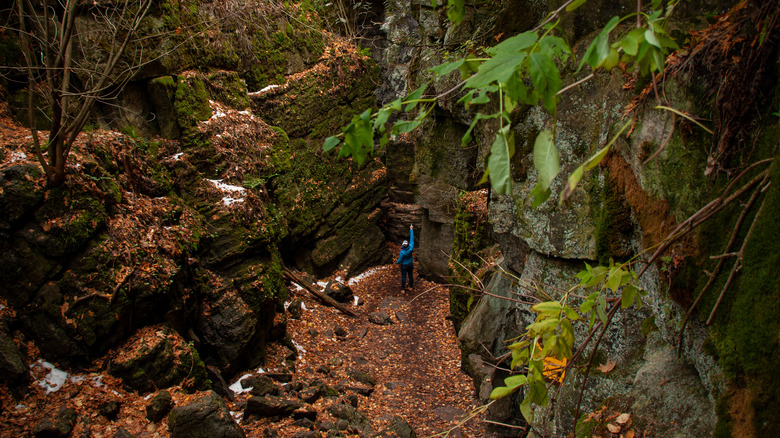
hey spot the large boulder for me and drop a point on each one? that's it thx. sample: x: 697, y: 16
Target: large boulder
x: 205, y: 417
x: 156, y: 357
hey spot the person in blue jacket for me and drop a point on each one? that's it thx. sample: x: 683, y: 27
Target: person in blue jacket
x: 406, y: 261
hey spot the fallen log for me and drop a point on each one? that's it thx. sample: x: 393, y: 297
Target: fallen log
x: 290, y: 275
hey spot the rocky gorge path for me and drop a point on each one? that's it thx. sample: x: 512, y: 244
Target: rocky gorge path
x: 404, y: 339
x: 397, y: 362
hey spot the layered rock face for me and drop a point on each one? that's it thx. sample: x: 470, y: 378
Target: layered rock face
x: 188, y: 216
x: 654, y: 179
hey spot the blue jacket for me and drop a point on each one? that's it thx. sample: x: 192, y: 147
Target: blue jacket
x: 405, y: 258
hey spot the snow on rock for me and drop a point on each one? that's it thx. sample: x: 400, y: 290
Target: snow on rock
x: 237, y: 193
x: 236, y: 386
x: 54, y: 379
x: 264, y: 90
x: 18, y: 156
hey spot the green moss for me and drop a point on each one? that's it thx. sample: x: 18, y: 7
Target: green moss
x: 745, y: 329
x: 228, y: 88
x: 191, y: 104
x: 613, y: 223
x: 472, y: 237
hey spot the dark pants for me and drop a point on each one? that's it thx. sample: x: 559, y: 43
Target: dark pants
x: 404, y: 270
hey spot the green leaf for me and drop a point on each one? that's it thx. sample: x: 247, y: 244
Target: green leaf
x: 538, y: 393
x: 456, y: 10
x: 381, y: 118
x: 574, y: 5
x: 330, y: 143
x: 447, y: 67
x: 500, y: 392
x: 629, y: 294
x: 602, y: 315
x: 515, y: 44
x: 515, y: 381
x: 540, y: 195
x: 546, y: 159
x: 519, y: 357
x: 497, y: 69
x: 499, y: 161
x: 413, y: 97
x: 546, y: 325
x: 630, y: 43
x: 567, y: 335
x: 587, y: 305
x: 359, y: 137
x: 525, y: 409
x: 599, y: 48
x: 395, y: 105
x: 545, y: 77
x: 549, y: 308
x: 574, y: 180
x: 650, y: 38
x: 570, y: 313
x: 404, y: 126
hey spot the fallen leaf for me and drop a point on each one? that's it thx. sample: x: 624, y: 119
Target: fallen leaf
x: 614, y: 428
x: 630, y: 434
x: 607, y: 367
x: 623, y: 418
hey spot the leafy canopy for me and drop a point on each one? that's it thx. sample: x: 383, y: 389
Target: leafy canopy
x: 524, y: 69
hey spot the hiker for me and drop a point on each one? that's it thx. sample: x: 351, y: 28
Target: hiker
x: 406, y: 261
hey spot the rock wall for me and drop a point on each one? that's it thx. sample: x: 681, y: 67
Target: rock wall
x: 621, y: 209
x: 188, y: 216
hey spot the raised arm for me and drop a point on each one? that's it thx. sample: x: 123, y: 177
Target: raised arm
x: 411, y: 237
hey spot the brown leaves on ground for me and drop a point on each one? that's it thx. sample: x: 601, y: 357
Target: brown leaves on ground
x: 415, y: 360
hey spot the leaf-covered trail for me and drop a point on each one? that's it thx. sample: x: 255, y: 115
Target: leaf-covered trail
x: 415, y: 359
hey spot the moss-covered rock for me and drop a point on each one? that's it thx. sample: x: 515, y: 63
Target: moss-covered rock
x: 162, y: 94
x: 191, y: 103
x: 156, y: 357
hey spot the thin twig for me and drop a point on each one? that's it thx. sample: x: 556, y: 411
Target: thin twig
x: 714, y: 275
x: 737, y: 263
x: 611, y: 314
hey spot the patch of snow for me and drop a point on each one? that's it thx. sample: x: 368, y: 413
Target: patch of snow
x: 266, y: 89
x: 97, y: 381
x: 177, y: 156
x: 20, y: 407
x: 77, y: 379
x: 298, y: 288
x: 358, y: 278
x: 322, y: 284
x: 226, y: 187
x: 237, y: 416
x: 2, y: 306
x: 303, y: 306
x: 356, y: 298
x: 148, y: 396
x: 261, y: 370
x: 237, y: 388
x: 247, y: 113
x: 18, y: 156
x: 229, y: 200
x: 286, y: 305
x: 53, y: 380
x: 298, y: 347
